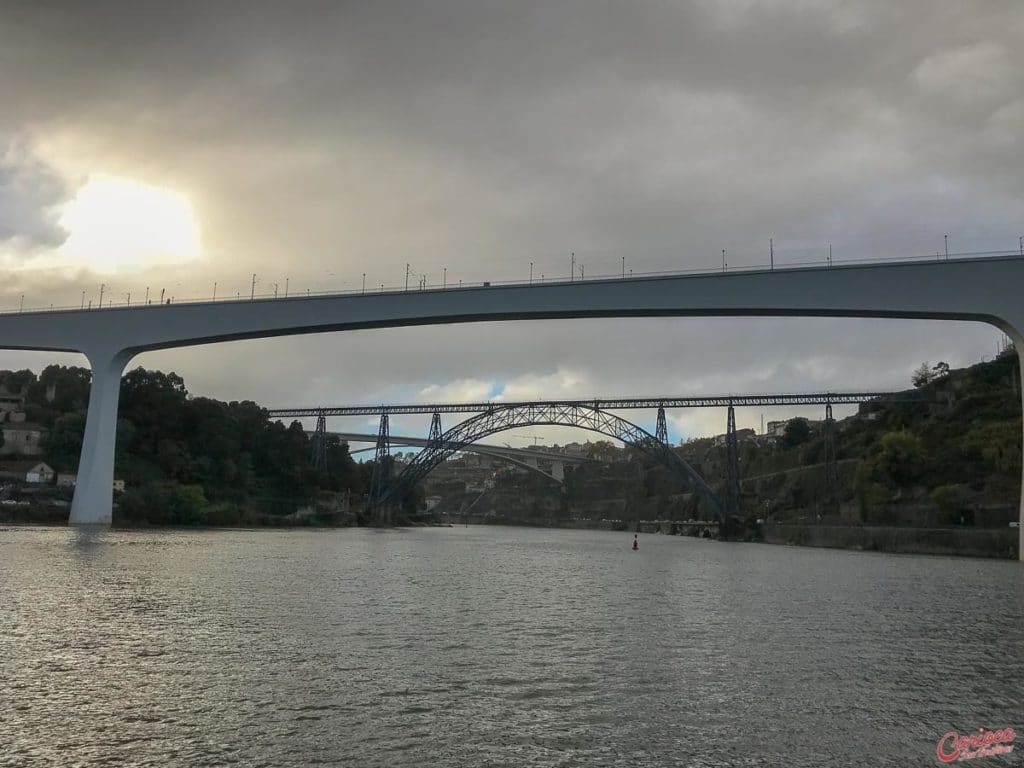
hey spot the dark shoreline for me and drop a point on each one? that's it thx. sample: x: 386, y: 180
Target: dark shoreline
x: 988, y: 543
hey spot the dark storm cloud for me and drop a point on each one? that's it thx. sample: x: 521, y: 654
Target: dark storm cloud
x: 29, y: 193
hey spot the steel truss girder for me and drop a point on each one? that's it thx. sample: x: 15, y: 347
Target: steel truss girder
x: 831, y: 464
x: 435, y: 428
x: 661, y: 430
x: 732, y: 466
x: 380, y: 484
x: 713, y: 401
x: 319, y: 446
x: 502, y: 418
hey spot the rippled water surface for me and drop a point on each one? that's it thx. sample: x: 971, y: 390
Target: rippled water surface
x: 494, y: 646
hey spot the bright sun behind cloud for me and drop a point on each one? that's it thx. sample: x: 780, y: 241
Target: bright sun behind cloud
x: 118, y: 224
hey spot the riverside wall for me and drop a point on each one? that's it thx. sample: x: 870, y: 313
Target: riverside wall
x: 965, y: 542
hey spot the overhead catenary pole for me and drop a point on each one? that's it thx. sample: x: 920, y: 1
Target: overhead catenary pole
x: 407, y: 276
x: 252, y: 290
x: 771, y: 253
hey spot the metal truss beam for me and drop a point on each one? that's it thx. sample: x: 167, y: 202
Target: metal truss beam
x: 732, y: 466
x: 435, y: 428
x: 380, y: 483
x: 710, y: 401
x: 661, y: 431
x: 320, y: 442
x: 499, y: 419
x: 831, y: 465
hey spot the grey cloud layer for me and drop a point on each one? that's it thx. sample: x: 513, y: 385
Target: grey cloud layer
x: 29, y: 194
x: 535, y: 127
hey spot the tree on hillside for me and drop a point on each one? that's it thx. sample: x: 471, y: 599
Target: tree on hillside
x: 70, y: 388
x: 797, y: 431
x: 927, y: 373
x: 951, y: 501
x: 900, y: 457
x: 602, y: 450
x: 922, y: 375
x: 998, y: 443
x: 17, y: 382
x: 63, y: 443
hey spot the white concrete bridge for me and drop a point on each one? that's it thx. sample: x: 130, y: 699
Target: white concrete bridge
x: 978, y: 289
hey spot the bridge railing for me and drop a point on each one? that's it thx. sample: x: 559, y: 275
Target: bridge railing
x: 383, y: 289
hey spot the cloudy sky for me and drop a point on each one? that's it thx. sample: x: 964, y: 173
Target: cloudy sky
x: 172, y: 146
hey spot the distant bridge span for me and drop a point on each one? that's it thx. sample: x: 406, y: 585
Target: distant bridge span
x: 605, y: 404
x: 984, y: 290
x: 520, y: 456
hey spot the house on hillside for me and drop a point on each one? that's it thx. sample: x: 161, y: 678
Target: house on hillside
x: 741, y: 435
x: 70, y: 479
x: 10, y: 402
x: 27, y: 471
x: 22, y: 439
x: 778, y: 428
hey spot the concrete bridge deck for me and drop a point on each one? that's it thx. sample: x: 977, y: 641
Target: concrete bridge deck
x: 973, y: 289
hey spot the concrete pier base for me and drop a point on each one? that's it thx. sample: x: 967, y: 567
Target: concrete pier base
x: 94, y: 488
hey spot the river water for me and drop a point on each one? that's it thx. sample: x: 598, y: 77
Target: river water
x: 492, y: 646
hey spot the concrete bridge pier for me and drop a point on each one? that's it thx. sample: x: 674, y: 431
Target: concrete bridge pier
x: 1018, y: 343
x: 94, y: 488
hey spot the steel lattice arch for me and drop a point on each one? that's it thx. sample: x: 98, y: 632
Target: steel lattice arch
x: 500, y: 419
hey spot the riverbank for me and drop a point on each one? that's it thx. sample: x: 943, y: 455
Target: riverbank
x: 999, y: 543
x: 996, y: 543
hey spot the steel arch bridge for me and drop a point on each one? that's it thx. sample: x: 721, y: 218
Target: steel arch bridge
x: 500, y: 419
